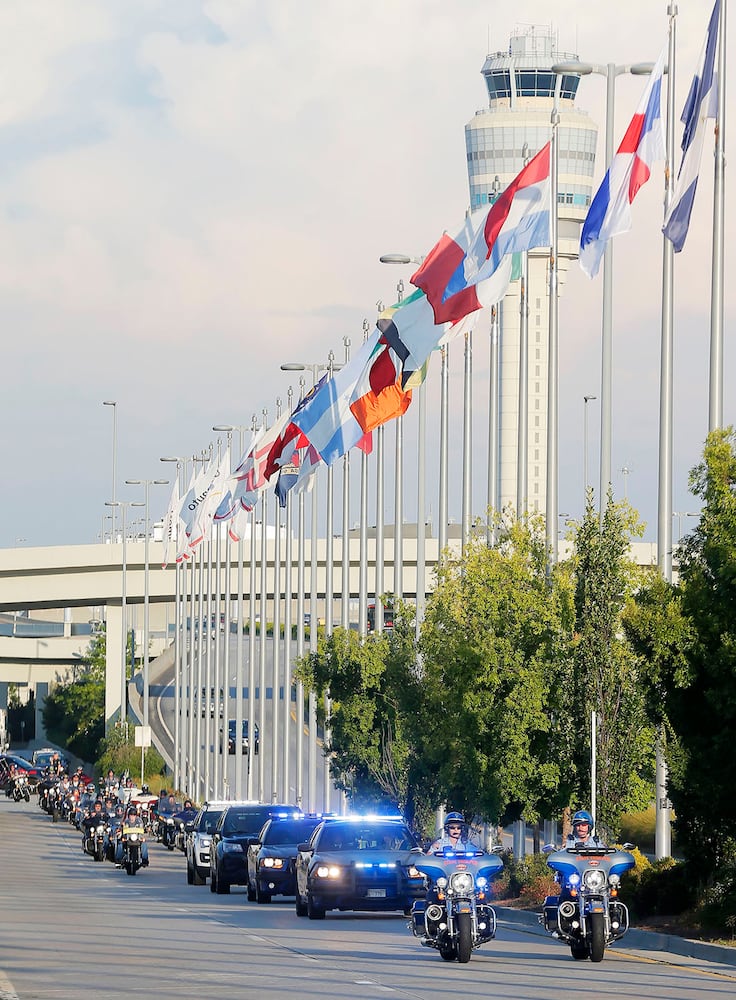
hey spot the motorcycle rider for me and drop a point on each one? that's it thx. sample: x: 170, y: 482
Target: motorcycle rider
x: 582, y: 831
x: 455, y: 836
x: 132, y: 820
x: 91, y: 821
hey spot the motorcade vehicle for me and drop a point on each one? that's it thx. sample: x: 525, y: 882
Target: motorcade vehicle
x: 17, y: 788
x: 231, y: 726
x: 358, y: 863
x: 456, y: 916
x: 132, y: 839
x: 238, y: 823
x: 33, y: 773
x: 199, y: 841
x: 42, y: 758
x: 587, y: 914
x: 271, y: 856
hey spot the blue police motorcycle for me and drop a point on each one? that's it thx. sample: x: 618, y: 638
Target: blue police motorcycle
x: 456, y: 916
x: 587, y: 914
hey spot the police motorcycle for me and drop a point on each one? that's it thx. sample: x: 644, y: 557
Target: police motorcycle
x: 587, y: 914
x: 456, y: 917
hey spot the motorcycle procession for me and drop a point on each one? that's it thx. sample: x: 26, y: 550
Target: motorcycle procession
x: 455, y: 917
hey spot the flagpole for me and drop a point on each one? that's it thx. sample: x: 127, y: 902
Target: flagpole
x: 215, y: 624
x: 363, y: 556
x: 288, y: 611
x: 663, y: 832
x: 522, y: 438
x: 202, y: 704
x: 553, y: 360
x: 444, y: 440
x: 467, y: 436
x: 276, y: 643
x: 399, y: 491
x: 252, y: 647
x: 715, y: 406
x: 492, y: 498
x: 262, y: 635
x: 300, y: 652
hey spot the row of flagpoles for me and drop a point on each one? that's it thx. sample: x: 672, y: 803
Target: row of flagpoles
x: 349, y: 405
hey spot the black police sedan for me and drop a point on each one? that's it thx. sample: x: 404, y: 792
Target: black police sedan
x: 358, y: 863
x: 272, y: 857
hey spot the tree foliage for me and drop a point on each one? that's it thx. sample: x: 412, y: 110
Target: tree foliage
x: 605, y: 676
x: 695, y: 681
x: 74, y: 713
x: 494, y: 641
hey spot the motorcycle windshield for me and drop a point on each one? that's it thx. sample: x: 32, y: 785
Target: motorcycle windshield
x: 576, y: 860
x: 445, y: 863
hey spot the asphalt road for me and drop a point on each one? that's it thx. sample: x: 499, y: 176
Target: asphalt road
x: 76, y: 929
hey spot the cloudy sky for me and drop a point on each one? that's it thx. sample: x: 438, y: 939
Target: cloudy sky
x: 194, y: 191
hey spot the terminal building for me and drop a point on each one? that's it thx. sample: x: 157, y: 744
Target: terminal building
x: 499, y: 139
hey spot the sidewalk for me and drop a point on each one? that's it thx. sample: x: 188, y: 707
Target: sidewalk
x: 635, y: 940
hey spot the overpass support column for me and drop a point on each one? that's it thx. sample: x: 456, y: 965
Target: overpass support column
x: 114, y: 659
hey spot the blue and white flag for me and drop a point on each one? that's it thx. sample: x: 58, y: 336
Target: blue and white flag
x: 701, y: 104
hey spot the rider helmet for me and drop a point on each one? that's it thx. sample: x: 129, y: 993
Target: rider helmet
x: 582, y: 816
x: 453, y: 819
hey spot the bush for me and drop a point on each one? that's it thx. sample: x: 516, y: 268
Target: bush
x: 528, y: 879
x: 119, y: 752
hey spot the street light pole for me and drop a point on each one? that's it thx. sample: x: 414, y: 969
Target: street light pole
x: 123, y: 505
x: 114, y: 405
x: 146, y: 483
x: 586, y: 400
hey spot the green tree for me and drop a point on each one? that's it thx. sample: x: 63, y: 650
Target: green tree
x: 605, y: 675
x: 74, y: 713
x: 699, y: 684
x: 374, y: 689
x: 494, y: 641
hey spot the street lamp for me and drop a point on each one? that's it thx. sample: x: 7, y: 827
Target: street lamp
x: 146, y: 483
x: 610, y: 71
x: 114, y: 405
x: 679, y: 514
x: 586, y: 400
x: 123, y: 505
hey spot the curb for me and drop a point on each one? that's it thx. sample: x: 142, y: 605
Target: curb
x: 634, y: 940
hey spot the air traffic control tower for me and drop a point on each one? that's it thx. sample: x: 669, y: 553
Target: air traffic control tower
x: 498, y: 140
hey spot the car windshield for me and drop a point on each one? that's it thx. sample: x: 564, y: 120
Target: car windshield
x: 365, y: 837
x: 289, y: 831
x: 208, y: 820
x: 244, y: 821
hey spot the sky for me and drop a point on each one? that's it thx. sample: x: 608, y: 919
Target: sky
x: 193, y: 193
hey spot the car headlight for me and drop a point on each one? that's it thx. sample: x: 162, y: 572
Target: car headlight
x: 328, y: 871
x: 272, y: 862
x: 462, y: 883
x: 230, y: 848
x: 205, y: 841
x: 594, y: 879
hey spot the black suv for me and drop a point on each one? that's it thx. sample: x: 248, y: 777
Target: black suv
x: 239, y: 823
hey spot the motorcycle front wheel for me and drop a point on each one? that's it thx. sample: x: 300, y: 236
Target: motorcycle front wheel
x: 464, y: 938
x: 597, y: 937
x: 579, y: 950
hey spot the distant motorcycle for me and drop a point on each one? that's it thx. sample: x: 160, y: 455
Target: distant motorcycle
x: 456, y: 916
x: 587, y: 914
x: 132, y: 839
x: 19, y: 789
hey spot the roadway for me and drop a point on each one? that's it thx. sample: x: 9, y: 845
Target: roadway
x: 76, y: 930
x: 162, y: 720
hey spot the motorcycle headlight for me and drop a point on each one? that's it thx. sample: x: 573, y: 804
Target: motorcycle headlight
x: 441, y: 882
x: 462, y: 883
x: 614, y: 879
x: 573, y: 880
x: 328, y: 871
x: 100, y: 829
x: 481, y: 882
x: 169, y: 822
x: 414, y: 872
x: 272, y: 862
x: 134, y: 836
x: 594, y: 879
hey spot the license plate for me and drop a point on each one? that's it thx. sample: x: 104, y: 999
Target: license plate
x: 376, y: 894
